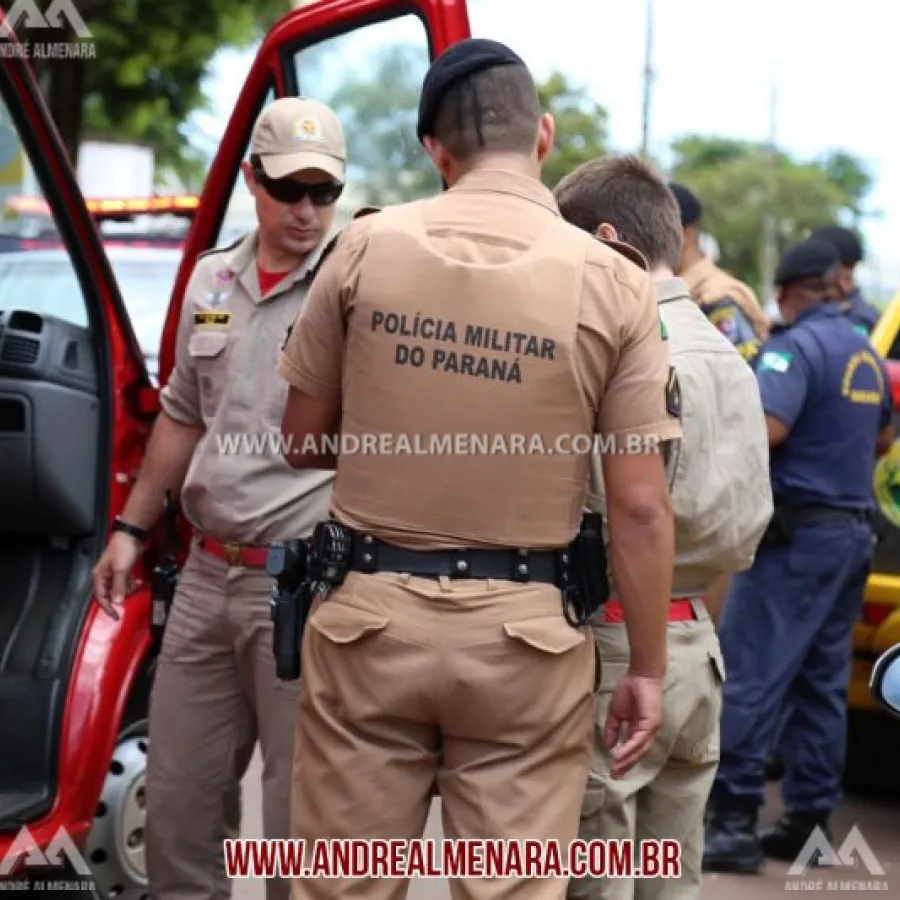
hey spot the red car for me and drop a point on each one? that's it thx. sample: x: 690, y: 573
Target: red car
x: 76, y: 409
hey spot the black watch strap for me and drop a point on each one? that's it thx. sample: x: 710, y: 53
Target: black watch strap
x: 141, y: 534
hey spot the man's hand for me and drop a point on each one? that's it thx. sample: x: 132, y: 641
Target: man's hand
x: 111, y: 572
x: 637, y: 705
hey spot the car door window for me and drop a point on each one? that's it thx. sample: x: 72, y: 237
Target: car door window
x: 372, y: 78
x: 36, y: 270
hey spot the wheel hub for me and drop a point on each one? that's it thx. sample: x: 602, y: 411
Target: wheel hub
x: 115, y: 847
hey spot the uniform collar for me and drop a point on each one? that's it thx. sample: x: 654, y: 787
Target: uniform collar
x: 242, y: 261
x: 669, y: 289
x: 502, y: 181
x: 819, y: 311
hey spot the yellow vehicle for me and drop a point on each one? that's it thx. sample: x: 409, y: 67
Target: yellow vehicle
x: 874, y: 736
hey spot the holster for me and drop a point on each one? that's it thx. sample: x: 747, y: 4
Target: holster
x: 164, y: 581
x: 584, y: 580
x: 289, y: 605
x: 780, y: 530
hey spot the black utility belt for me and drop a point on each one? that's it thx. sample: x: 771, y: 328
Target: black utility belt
x: 819, y: 512
x: 369, y: 554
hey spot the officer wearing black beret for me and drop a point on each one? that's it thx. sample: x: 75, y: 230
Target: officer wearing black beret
x: 849, y: 297
x: 446, y: 655
x: 729, y: 304
x: 787, y: 621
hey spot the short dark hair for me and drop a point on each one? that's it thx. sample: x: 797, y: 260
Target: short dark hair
x: 626, y: 193
x: 495, y: 110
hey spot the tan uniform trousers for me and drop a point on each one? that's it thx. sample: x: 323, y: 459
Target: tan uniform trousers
x: 664, y: 796
x: 480, y: 685
x: 215, y: 694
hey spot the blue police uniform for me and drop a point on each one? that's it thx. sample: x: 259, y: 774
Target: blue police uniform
x: 859, y: 313
x: 787, y: 621
x: 730, y: 319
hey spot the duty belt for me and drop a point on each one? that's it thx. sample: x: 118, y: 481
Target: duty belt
x: 818, y: 512
x: 234, y: 554
x: 369, y: 554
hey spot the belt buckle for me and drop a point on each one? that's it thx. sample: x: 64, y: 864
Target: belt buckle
x: 234, y: 553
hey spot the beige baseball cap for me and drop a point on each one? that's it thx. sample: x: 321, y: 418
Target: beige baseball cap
x: 295, y: 133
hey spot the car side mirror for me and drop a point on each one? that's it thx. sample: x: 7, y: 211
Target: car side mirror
x: 885, y: 681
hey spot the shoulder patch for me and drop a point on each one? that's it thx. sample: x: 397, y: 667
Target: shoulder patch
x: 673, y: 394
x: 775, y: 361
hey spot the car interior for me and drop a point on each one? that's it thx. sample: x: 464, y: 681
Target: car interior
x: 50, y: 430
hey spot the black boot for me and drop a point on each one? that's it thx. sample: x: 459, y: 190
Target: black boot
x: 731, y: 843
x: 786, y: 839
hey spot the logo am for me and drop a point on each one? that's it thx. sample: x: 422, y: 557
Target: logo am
x: 24, y: 852
x: 853, y: 851
x: 27, y: 12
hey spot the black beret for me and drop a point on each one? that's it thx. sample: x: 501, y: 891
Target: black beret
x: 690, y: 207
x: 811, y: 258
x: 455, y: 63
x: 849, y: 246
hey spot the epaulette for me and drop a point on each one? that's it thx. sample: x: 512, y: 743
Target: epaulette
x: 213, y: 250
x: 365, y: 211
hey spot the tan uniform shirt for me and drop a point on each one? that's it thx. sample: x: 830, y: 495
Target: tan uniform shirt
x: 708, y: 283
x: 719, y: 469
x: 239, y: 487
x: 475, y: 314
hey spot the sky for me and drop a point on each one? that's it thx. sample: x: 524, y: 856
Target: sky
x: 715, y: 62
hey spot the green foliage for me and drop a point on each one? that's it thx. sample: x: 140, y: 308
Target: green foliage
x: 581, y: 127
x: 379, y: 109
x: 151, y: 59
x: 740, y: 183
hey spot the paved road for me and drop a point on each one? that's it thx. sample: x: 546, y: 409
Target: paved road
x: 878, y: 822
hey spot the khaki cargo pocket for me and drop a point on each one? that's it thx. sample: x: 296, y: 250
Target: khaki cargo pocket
x: 341, y: 623
x: 207, y: 352
x: 549, y: 634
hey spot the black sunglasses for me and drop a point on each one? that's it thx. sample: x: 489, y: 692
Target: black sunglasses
x: 286, y: 190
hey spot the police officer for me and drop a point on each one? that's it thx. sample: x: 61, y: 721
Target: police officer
x: 850, y: 300
x: 728, y: 303
x: 719, y: 476
x: 215, y: 692
x: 445, y: 653
x: 787, y: 623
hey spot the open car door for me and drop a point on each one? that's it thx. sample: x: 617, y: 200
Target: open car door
x: 364, y: 58
x: 71, y: 440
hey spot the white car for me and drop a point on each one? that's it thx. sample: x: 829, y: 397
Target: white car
x: 45, y: 281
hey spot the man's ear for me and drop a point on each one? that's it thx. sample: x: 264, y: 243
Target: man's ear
x: 606, y: 232
x: 546, y: 137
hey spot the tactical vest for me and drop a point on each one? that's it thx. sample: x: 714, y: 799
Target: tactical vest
x: 454, y: 362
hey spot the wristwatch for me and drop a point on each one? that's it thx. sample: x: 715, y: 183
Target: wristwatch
x: 141, y: 534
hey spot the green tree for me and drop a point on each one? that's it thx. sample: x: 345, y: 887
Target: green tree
x: 379, y: 106
x: 379, y: 109
x: 581, y: 127
x: 741, y: 183
x: 146, y: 76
